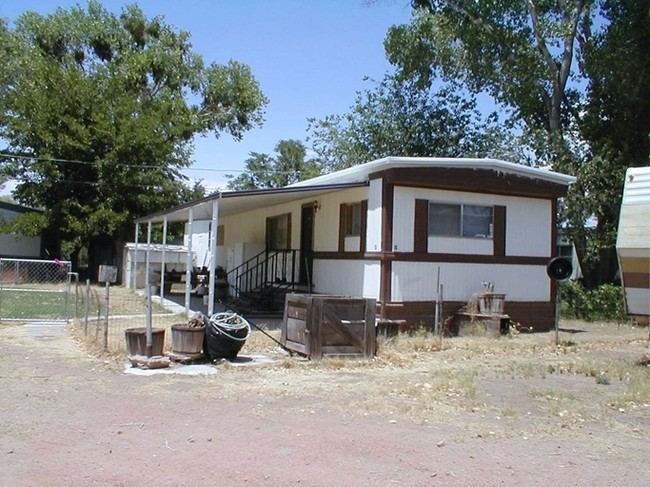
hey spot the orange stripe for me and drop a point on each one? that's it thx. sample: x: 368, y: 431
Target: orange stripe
x: 635, y: 264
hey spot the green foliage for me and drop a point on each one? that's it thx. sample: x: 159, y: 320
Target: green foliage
x: 399, y: 117
x: 572, y: 78
x: 30, y: 224
x: 100, y: 112
x: 290, y: 165
x: 603, y: 303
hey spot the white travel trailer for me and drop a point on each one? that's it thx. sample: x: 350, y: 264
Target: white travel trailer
x: 633, y: 242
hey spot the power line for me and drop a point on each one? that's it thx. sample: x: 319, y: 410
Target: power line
x: 136, y: 166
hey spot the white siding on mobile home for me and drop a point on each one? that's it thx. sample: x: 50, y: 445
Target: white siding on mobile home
x: 347, y: 277
x: 416, y: 281
x: 528, y: 223
x: 326, y: 224
x: 373, y: 233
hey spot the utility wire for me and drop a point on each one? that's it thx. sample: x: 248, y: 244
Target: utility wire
x: 138, y: 166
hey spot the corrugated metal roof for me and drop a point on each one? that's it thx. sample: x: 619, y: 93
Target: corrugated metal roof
x: 362, y: 172
x: 232, y: 202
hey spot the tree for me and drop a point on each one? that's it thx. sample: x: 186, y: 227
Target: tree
x: 534, y: 59
x: 265, y: 171
x: 99, y: 112
x: 399, y: 117
x: 616, y: 122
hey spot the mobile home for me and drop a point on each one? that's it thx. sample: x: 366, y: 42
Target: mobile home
x: 391, y: 229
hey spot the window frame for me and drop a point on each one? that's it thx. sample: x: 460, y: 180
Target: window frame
x: 461, y: 224
x: 274, y: 225
x: 352, y: 219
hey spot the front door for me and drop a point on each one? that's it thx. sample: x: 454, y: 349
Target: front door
x: 307, y: 244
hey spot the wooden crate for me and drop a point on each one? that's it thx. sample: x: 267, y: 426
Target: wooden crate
x: 329, y: 326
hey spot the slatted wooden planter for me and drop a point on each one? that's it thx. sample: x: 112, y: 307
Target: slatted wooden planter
x: 320, y: 326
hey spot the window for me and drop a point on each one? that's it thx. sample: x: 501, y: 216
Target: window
x: 352, y: 219
x: 352, y: 226
x: 278, y: 232
x: 449, y: 220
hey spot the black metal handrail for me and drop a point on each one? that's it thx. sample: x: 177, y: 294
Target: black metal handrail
x: 268, y: 268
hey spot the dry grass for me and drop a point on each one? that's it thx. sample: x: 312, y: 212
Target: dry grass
x: 525, y: 380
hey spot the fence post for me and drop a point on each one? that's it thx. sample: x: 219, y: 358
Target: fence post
x: 106, y: 317
x: 86, y: 307
x: 76, y: 296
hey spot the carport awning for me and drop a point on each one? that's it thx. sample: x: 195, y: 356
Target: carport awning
x: 234, y: 202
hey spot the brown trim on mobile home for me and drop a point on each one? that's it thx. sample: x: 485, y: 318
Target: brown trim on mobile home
x: 342, y: 211
x: 364, y: 225
x: 536, y: 316
x: 499, y: 231
x: 421, y: 226
x: 470, y: 258
x: 430, y: 257
x: 385, y: 279
x: 473, y: 180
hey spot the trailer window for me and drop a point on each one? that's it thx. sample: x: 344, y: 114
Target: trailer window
x: 452, y: 220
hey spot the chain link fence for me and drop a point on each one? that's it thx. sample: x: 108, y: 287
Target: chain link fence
x: 106, y: 312
x: 47, y: 291
x: 36, y: 290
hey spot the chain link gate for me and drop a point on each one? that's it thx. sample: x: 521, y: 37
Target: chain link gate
x: 36, y: 290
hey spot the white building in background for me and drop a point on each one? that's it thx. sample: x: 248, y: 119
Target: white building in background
x: 13, y: 245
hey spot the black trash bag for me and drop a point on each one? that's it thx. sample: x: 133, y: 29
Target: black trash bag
x: 225, y: 335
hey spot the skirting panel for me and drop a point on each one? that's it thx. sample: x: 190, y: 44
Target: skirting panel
x: 540, y: 316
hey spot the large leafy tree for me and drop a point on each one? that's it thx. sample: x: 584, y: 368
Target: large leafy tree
x: 99, y: 112
x: 615, y: 122
x: 400, y: 117
x: 535, y: 58
x: 289, y: 165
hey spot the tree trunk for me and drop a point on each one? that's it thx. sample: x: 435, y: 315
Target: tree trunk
x: 103, y: 251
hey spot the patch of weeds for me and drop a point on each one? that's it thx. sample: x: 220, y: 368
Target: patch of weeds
x: 643, y: 361
x: 613, y: 369
x: 528, y: 370
x: 553, y: 395
x: 560, y: 404
x: 288, y: 363
x: 602, y: 379
x: 419, y: 340
x: 509, y: 412
x: 637, y: 389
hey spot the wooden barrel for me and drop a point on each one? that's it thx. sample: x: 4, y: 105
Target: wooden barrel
x: 187, y: 340
x: 136, y: 341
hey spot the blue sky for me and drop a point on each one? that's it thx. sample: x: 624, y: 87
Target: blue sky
x: 309, y: 56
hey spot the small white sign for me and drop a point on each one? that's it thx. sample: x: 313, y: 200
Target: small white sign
x: 107, y: 273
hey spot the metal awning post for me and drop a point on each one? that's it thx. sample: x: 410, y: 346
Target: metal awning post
x: 149, y: 342
x: 213, y: 256
x: 189, y: 262
x: 163, y: 259
x: 134, y: 262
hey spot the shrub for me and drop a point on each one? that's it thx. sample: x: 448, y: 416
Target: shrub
x: 606, y: 302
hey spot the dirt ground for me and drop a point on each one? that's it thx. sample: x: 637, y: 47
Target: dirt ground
x: 479, y: 412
